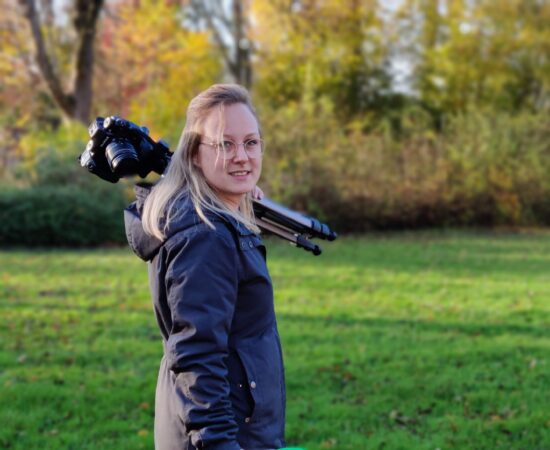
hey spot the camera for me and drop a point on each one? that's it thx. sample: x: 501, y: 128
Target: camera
x: 119, y: 148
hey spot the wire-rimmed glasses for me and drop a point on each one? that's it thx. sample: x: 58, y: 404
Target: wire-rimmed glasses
x: 228, y: 149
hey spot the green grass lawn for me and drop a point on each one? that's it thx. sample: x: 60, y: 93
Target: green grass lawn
x: 408, y: 341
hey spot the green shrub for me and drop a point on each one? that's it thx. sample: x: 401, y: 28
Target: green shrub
x: 60, y: 216
x: 49, y: 156
x: 47, y: 199
x: 480, y: 169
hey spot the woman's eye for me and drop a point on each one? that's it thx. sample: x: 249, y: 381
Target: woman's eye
x: 252, y: 143
x: 228, y: 145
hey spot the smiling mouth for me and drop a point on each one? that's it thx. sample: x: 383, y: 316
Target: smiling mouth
x: 239, y: 173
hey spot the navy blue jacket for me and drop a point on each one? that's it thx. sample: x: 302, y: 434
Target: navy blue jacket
x: 221, y: 380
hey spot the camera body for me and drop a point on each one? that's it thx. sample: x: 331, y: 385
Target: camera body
x: 119, y: 148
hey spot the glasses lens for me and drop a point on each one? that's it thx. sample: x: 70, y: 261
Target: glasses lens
x: 253, y: 147
x: 228, y: 147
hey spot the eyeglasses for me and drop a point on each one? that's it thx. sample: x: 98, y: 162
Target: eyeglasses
x: 228, y: 148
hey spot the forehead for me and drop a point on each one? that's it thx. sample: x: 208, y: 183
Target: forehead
x: 237, y: 120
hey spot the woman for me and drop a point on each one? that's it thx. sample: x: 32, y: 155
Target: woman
x: 221, y: 381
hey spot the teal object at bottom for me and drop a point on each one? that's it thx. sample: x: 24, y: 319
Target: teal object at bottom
x: 293, y: 448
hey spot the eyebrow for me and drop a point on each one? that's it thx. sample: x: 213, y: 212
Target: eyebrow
x: 247, y: 135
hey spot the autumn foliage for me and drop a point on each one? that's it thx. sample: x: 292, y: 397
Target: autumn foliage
x: 431, y: 113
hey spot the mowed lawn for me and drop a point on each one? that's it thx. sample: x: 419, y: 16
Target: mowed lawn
x: 402, y: 341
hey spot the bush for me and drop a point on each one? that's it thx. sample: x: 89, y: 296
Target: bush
x: 47, y: 199
x: 60, y: 216
x: 478, y: 170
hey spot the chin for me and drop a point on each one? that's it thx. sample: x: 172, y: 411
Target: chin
x: 243, y: 191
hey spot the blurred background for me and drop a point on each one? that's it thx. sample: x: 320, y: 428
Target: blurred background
x: 418, y: 129
x: 376, y: 114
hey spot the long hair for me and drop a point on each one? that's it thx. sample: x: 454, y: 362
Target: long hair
x: 183, y: 177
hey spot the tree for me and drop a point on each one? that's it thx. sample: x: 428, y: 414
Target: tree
x: 21, y: 101
x: 75, y: 102
x: 312, y: 49
x: 229, y: 24
x: 150, y: 64
x: 479, y: 53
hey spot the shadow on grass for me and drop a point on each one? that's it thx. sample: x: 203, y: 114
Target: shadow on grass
x: 421, y: 326
x: 476, y: 255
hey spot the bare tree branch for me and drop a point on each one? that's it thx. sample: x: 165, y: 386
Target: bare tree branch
x: 77, y: 103
x: 64, y: 101
x: 208, y: 15
x: 236, y: 55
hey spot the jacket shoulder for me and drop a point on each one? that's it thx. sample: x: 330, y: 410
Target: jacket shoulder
x: 202, y: 233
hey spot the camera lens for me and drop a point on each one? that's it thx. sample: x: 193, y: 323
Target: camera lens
x: 122, y: 157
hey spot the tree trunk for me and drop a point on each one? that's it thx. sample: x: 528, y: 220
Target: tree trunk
x: 243, y: 68
x: 86, y: 16
x: 76, y: 103
x: 236, y: 53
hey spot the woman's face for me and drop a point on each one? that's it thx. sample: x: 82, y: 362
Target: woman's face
x: 231, y: 178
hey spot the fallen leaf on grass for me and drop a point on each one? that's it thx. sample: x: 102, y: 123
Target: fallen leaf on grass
x: 339, y: 371
x: 69, y: 361
x: 454, y: 427
x: 329, y: 443
x: 401, y: 419
x: 348, y: 376
x: 425, y: 411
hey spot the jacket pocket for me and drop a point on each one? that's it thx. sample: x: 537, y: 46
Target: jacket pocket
x: 262, y: 364
x: 241, y: 396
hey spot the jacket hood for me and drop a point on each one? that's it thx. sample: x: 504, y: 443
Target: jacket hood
x: 146, y: 246
x: 143, y: 245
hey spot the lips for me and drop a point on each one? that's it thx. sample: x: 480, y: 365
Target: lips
x: 239, y: 173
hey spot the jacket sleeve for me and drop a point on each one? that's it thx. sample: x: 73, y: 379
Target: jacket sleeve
x: 201, y: 284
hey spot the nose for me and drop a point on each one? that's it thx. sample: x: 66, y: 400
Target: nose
x: 240, y: 155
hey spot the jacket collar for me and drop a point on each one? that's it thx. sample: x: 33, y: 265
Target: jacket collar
x: 146, y: 246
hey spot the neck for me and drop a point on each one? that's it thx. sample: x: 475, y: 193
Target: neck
x: 233, y: 202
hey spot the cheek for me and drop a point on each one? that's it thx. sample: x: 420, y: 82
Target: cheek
x: 213, y: 170
x: 258, y: 168
x: 209, y: 164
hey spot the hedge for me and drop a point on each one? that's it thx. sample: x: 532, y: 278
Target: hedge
x: 61, y: 216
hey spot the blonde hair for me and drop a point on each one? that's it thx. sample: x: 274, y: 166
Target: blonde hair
x: 183, y: 177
